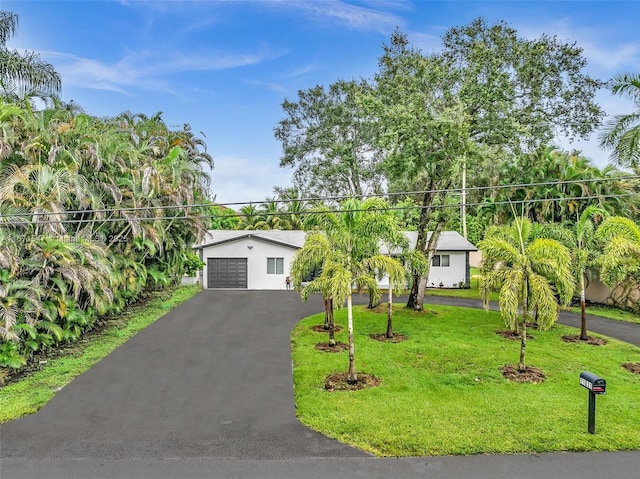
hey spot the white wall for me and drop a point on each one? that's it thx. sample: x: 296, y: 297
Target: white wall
x: 450, y: 276
x: 257, y: 277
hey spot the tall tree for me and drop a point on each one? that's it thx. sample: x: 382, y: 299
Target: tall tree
x: 23, y: 73
x: 424, y: 134
x: 622, y: 132
x: 529, y: 272
x: 488, y: 90
x: 329, y: 142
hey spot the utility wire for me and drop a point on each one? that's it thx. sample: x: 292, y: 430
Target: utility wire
x: 321, y: 198
x: 311, y: 212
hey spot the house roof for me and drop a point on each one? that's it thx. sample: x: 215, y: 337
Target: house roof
x: 449, y: 240
x: 292, y: 238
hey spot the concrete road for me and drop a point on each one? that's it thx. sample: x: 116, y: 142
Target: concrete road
x: 206, y: 392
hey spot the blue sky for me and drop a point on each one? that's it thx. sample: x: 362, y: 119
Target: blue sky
x: 225, y: 67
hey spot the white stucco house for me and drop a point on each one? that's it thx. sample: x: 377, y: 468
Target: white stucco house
x: 251, y: 259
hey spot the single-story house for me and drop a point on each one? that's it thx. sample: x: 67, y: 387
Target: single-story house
x: 252, y: 259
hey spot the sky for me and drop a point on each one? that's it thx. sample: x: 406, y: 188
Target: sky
x: 225, y: 67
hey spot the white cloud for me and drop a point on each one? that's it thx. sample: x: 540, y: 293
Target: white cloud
x: 147, y: 70
x: 353, y: 16
x: 599, y: 44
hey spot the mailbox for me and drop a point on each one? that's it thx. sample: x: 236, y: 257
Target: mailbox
x: 593, y: 383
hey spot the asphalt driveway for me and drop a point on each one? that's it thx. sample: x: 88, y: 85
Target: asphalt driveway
x: 206, y: 392
x: 211, y: 379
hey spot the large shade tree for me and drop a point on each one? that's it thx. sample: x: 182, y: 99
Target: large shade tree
x: 489, y: 93
x: 328, y: 142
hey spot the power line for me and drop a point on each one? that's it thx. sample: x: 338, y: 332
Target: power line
x: 312, y: 212
x: 318, y: 198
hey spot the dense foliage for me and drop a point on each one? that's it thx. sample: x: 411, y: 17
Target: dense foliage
x: 92, y: 214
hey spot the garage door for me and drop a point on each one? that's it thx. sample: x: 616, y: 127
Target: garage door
x: 227, y: 272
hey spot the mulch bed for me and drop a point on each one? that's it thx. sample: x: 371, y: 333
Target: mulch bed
x: 530, y: 375
x: 633, y: 367
x: 338, y: 382
x: 382, y: 337
x: 327, y: 348
x: 592, y: 340
x: 507, y: 334
x: 319, y: 328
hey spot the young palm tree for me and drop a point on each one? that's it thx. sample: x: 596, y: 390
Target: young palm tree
x: 581, y: 241
x: 354, y: 234
x: 620, y: 261
x: 622, y: 133
x: 529, y: 272
x: 308, y: 259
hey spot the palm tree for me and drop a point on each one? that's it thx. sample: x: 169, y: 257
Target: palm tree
x: 620, y: 261
x: 529, y: 272
x: 308, y: 259
x: 353, y: 235
x: 580, y: 239
x: 585, y: 255
x: 251, y: 218
x: 23, y: 73
x: 622, y: 132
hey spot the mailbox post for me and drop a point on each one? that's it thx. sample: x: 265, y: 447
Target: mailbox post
x: 595, y: 385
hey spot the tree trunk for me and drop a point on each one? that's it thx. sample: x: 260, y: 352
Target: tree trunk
x: 371, y: 303
x: 523, y: 345
x: 332, y: 339
x: 583, y: 312
x: 326, y: 313
x: 427, y: 244
x: 421, y: 243
x: 352, y: 378
x: 523, y: 330
x: 390, y: 313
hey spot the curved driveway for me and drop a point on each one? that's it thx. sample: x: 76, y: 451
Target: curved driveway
x: 211, y: 381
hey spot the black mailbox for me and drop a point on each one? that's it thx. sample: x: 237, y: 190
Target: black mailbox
x: 593, y: 383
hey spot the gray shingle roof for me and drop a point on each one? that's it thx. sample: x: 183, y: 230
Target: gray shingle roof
x: 449, y: 240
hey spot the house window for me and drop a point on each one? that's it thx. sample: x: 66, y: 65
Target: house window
x: 440, y: 260
x: 275, y: 265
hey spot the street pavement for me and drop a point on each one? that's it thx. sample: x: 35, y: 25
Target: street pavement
x: 206, y: 392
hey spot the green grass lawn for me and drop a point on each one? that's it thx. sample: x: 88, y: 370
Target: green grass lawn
x: 609, y: 312
x: 32, y: 392
x: 473, y: 293
x: 442, y: 391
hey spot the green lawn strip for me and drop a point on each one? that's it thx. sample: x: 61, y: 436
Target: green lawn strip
x: 32, y: 392
x: 473, y: 293
x: 442, y: 392
x: 609, y: 312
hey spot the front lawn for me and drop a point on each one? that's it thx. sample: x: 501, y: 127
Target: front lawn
x: 442, y: 391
